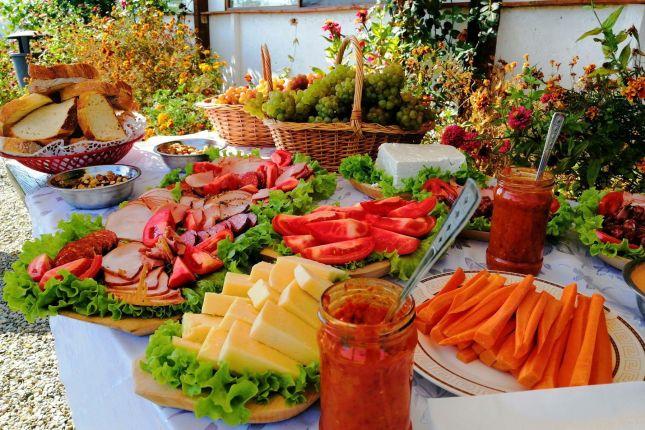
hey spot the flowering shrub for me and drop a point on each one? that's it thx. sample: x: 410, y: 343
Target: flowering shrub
x: 174, y: 112
x: 9, y: 88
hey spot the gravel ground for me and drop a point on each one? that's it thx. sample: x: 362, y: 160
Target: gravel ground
x: 31, y: 393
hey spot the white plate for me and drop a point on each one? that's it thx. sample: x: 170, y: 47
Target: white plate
x: 440, y: 365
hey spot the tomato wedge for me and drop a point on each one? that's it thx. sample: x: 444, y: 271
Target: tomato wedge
x: 156, y: 226
x: 181, y: 274
x: 299, y: 243
x: 200, y: 262
x: 206, y: 166
x: 355, y: 212
x: 341, y: 252
x: 210, y: 244
x: 288, y: 184
x: 611, y: 203
x: 76, y: 268
x: 415, y: 209
x: 442, y: 190
x: 281, y: 157
x: 95, y: 267
x: 290, y: 225
x: 416, y: 227
x: 555, y: 206
x: 388, y: 241
x: 338, y: 230
x: 271, y: 172
x: 607, y: 238
x: 194, y: 219
x: 229, y: 181
x: 384, y: 206
x: 39, y: 266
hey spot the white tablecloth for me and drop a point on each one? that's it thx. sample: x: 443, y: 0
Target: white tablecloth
x: 95, y: 361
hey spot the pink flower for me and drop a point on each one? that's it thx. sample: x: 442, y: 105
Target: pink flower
x: 519, y: 118
x: 361, y: 17
x: 453, y: 135
x: 333, y: 28
x: 546, y: 98
x: 504, y: 147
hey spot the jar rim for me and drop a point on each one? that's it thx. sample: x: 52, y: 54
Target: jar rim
x: 526, y: 177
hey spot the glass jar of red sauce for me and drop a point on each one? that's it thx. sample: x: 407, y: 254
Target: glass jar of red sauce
x: 521, y: 207
x: 366, y: 363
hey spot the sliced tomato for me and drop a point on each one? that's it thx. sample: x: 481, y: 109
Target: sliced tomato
x: 210, y: 244
x: 388, y: 241
x: 555, y: 206
x: 288, y: 184
x: 156, y: 226
x: 39, y: 266
x: 181, y: 274
x: 341, y: 252
x: 227, y: 182
x: 355, y: 212
x: 271, y: 172
x: 607, y: 238
x: 384, y: 206
x: 200, y: 262
x: 441, y: 189
x: 95, y: 267
x: 76, y: 268
x: 415, y: 209
x: 281, y: 157
x: 290, y: 225
x: 611, y: 203
x: 416, y: 227
x: 299, y: 243
x: 283, y: 224
x: 194, y: 219
x: 206, y: 166
x: 338, y: 230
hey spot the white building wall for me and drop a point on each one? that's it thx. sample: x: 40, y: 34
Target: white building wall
x: 544, y: 33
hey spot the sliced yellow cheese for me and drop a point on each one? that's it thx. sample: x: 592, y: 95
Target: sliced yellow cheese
x: 313, y: 285
x: 242, y: 310
x: 196, y: 334
x: 212, y: 345
x: 282, y: 330
x: 260, y: 271
x: 242, y: 353
x: 217, y: 304
x: 285, y: 274
x: 178, y: 342
x: 296, y: 301
x: 236, y: 284
x: 260, y: 293
x: 191, y: 320
x: 281, y: 275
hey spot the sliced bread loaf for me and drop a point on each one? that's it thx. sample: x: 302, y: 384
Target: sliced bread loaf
x: 48, y: 122
x: 47, y: 80
x: 19, y: 108
x: 97, y: 118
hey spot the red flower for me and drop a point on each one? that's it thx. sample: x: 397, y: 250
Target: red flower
x: 361, y: 17
x: 504, y: 147
x: 546, y: 98
x: 453, y: 135
x: 519, y: 118
x: 333, y: 28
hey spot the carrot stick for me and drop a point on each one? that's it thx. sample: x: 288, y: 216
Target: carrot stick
x: 464, y: 345
x: 532, y: 325
x: 602, y: 368
x: 422, y: 326
x: 455, y: 281
x: 466, y: 355
x: 523, y: 314
x: 439, y: 305
x: 582, y: 369
x: 549, y: 379
x: 494, y: 282
x: 574, y: 342
x: 479, y: 313
x: 568, y: 300
x: 478, y: 348
x: 489, y: 356
x: 477, y: 277
x: 488, y: 332
x: 468, y: 290
x: 464, y: 336
x: 551, y: 313
x: 506, y: 356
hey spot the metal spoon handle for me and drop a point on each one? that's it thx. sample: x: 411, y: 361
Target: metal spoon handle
x: 557, y: 121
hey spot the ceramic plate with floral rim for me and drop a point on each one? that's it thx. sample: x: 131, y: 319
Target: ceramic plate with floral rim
x: 440, y: 365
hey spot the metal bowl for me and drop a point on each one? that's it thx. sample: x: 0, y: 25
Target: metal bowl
x: 180, y: 161
x: 627, y: 275
x: 100, y: 197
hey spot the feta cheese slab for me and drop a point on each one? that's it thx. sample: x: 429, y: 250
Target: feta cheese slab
x: 404, y: 160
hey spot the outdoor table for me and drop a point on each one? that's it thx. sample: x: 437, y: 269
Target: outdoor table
x: 95, y: 362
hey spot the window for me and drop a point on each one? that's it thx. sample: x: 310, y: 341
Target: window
x: 261, y: 3
x: 256, y: 4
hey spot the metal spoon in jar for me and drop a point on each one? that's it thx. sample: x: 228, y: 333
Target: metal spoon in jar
x: 557, y: 121
x: 459, y: 215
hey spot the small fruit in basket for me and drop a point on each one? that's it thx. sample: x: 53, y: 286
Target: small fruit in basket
x: 298, y: 82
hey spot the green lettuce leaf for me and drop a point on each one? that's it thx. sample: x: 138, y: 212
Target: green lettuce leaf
x: 587, y: 221
x: 244, y: 252
x: 562, y: 220
x: 220, y: 393
x: 479, y: 223
x: 172, y: 177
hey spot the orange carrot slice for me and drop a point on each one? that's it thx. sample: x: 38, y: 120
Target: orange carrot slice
x: 478, y: 348
x: 489, y: 356
x: 568, y: 300
x: 506, y: 356
x: 523, y: 314
x: 439, y: 305
x: 551, y: 313
x: 464, y: 336
x: 532, y: 325
x: 582, y: 369
x: 464, y: 345
x: 489, y: 331
x: 602, y: 368
x: 574, y: 342
x: 481, y: 312
x: 466, y: 355
x: 549, y: 379
x: 455, y: 281
x: 494, y: 282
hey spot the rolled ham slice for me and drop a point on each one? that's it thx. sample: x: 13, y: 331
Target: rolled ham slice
x: 261, y: 195
x: 161, y: 285
x: 178, y: 212
x: 290, y: 172
x: 129, y: 221
x: 152, y: 281
x: 228, y: 211
x: 188, y: 200
x: 198, y: 180
x: 156, y: 198
x: 124, y: 261
x: 236, y: 197
x: 239, y: 165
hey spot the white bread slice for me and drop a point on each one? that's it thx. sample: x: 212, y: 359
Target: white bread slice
x: 47, y: 80
x: 123, y: 100
x: 97, y: 118
x: 19, y: 108
x: 48, y: 122
x: 92, y: 85
x: 14, y: 146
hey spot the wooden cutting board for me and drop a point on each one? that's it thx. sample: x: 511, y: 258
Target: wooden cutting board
x: 372, y: 191
x: 163, y: 395
x: 135, y: 326
x: 372, y: 270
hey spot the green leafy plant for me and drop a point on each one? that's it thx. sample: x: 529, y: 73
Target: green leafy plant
x: 173, y: 112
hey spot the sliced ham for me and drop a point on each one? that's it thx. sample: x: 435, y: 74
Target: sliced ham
x: 239, y: 165
x: 235, y: 197
x: 124, y: 260
x: 198, y: 180
x: 161, y: 285
x: 228, y: 211
x: 112, y: 280
x: 290, y: 172
x: 188, y: 200
x: 152, y: 280
x: 189, y: 237
x: 156, y: 198
x: 238, y: 223
x: 261, y: 195
x: 178, y: 212
x: 129, y: 221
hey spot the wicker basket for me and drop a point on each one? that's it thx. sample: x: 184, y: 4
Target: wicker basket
x: 234, y: 124
x: 330, y: 143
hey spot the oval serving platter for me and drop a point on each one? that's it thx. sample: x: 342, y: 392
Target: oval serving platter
x: 439, y: 364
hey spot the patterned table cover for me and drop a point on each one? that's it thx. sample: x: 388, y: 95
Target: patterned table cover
x: 95, y: 361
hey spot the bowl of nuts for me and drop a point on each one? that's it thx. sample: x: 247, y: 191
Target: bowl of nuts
x: 95, y: 187
x: 177, y: 153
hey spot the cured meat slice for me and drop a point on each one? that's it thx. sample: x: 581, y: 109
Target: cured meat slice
x: 239, y: 165
x: 228, y: 211
x: 156, y: 198
x: 178, y: 212
x: 290, y: 172
x: 189, y: 237
x: 261, y: 195
x: 98, y: 242
x: 238, y: 223
x: 198, y: 180
x: 124, y: 260
x: 235, y: 197
x: 129, y: 221
x: 161, y: 285
x: 152, y: 281
x: 188, y: 200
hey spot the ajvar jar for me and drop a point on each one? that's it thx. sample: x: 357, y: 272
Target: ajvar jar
x: 366, y: 363
x: 521, y: 207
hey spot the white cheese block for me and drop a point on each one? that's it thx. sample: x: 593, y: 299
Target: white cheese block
x: 260, y: 293
x: 212, y: 345
x: 311, y: 284
x: 260, y: 270
x: 242, y: 310
x: 404, y: 160
x: 236, y: 284
x: 301, y: 304
x: 178, y: 342
x: 217, y: 304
